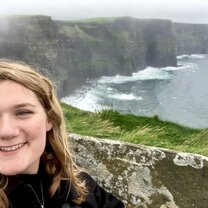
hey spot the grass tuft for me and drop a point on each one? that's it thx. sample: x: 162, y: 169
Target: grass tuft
x: 149, y: 131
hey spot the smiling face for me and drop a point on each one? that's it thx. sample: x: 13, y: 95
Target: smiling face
x: 23, y: 128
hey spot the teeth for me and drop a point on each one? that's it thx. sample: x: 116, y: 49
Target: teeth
x: 11, y: 148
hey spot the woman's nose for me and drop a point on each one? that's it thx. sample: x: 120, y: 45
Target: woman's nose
x: 8, y: 127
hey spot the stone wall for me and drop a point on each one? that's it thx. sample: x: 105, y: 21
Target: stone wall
x: 144, y: 176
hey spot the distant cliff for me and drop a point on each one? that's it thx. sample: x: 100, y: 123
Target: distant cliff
x: 116, y: 45
x: 95, y: 47
x: 191, y: 38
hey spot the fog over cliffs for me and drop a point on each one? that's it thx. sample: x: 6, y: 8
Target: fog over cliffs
x: 95, y: 47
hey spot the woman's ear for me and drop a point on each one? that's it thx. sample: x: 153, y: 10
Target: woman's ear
x: 48, y: 125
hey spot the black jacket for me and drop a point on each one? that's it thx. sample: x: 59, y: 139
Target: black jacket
x: 24, y: 191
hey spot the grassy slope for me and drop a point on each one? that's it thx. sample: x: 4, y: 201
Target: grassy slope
x: 135, y: 129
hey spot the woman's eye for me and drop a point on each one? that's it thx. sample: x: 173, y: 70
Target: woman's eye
x: 23, y: 113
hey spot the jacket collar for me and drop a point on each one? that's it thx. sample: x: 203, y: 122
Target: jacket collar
x: 63, y: 193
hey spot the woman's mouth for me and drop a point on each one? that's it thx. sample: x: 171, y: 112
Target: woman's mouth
x: 11, y: 148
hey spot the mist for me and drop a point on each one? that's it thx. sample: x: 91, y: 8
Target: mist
x: 194, y: 11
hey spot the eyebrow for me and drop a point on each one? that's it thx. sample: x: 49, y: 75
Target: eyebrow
x: 21, y: 105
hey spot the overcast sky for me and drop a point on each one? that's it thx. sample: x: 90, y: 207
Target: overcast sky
x: 193, y: 11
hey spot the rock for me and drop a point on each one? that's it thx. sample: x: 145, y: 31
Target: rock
x: 144, y: 176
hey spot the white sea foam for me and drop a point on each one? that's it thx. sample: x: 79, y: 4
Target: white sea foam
x: 132, y: 94
x: 192, y: 67
x: 85, y: 99
x: 199, y: 56
x: 92, y: 97
x: 147, y: 74
x: 125, y: 97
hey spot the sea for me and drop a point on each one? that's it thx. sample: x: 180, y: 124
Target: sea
x: 177, y: 94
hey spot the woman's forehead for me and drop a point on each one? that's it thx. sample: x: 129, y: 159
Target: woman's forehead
x: 16, y: 94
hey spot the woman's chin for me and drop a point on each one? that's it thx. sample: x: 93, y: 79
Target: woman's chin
x: 10, y: 172
x: 12, y: 168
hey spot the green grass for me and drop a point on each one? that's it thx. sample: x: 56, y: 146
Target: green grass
x: 149, y: 131
x: 97, y: 20
x: 71, y: 30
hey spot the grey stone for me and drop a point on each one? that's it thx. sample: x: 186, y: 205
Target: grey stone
x: 144, y: 176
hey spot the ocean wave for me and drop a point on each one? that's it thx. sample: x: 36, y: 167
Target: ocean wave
x: 147, y: 74
x: 192, y: 67
x: 184, y: 93
x: 84, y: 99
x: 125, y: 97
x: 196, y: 56
x: 92, y: 97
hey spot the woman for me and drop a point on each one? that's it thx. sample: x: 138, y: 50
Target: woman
x: 37, y: 167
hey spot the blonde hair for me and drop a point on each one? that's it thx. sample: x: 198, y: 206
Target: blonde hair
x: 58, y: 158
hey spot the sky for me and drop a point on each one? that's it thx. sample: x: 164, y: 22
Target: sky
x: 189, y: 11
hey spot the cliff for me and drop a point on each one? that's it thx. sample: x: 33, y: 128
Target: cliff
x: 31, y: 39
x: 116, y: 45
x: 90, y: 48
x: 191, y: 38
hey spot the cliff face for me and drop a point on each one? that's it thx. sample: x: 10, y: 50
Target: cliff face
x: 119, y: 45
x: 96, y: 47
x: 88, y: 48
x: 191, y: 38
x: 29, y: 38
